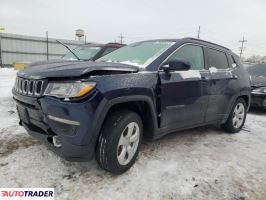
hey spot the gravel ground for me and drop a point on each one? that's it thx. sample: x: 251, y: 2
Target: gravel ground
x: 203, y: 163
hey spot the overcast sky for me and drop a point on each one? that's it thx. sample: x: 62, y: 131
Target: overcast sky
x: 222, y: 21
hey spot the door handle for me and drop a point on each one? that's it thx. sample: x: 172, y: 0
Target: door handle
x: 204, y: 78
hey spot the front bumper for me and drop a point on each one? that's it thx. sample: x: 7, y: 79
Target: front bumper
x: 258, y: 100
x: 72, y: 122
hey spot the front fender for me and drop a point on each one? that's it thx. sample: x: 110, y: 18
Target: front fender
x: 106, y: 105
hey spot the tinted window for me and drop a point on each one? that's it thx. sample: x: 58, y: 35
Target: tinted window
x: 192, y: 54
x: 217, y: 59
x: 108, y: 50
x: 233, y: 59
x: 257, y: 70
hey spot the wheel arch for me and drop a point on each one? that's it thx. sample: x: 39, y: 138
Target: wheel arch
x: 245, y: 96
x: 246, y: 99
x: 141, y: 104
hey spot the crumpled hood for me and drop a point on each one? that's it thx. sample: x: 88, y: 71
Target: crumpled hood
x: 258, y: 81
x: 70, y: 68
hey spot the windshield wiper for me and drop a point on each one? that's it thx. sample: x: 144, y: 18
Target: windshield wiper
x: 68, y: 49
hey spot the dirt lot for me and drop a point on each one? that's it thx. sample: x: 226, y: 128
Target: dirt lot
x: 202, y: 163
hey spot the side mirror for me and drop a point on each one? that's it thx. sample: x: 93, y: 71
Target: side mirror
x: 176, y: 65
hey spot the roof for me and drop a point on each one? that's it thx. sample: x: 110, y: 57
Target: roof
x: 204, y: 41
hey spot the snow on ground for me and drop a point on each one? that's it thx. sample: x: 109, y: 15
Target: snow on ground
x: 203, y: 163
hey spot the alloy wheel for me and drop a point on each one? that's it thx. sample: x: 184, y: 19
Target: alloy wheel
x: 238, y: 115
x: 128, y: 143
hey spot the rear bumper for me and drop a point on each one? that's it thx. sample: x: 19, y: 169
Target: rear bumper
x: 258, y: 100
x: 73, y: 123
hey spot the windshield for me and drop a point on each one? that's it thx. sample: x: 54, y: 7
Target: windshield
x: 84, y: 53
x: 257, y: 70
x: 139, y: 54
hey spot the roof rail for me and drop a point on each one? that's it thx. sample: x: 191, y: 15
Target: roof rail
x: 191, y: 38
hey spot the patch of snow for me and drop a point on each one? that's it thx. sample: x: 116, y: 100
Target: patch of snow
x: 131, y: 63
x: 164, y: 42
x: 213, y: 69
x: 190, y: 74
x: 7, y: 80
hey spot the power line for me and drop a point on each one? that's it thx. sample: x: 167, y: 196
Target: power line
x: 242, y: 46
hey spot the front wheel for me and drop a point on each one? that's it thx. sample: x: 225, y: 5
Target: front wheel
x: 237, y: 117
x: 119, y: 141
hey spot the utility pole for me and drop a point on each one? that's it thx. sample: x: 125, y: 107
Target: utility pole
x: 198, y: 33
x: 243, y: 41
x: 121, y: 38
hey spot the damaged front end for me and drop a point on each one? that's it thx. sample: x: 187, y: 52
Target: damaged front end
x: 57, y: 104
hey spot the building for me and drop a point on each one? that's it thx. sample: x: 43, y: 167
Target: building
x: 22, y: 48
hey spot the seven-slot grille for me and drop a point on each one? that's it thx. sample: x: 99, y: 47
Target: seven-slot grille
x: 29, y: 87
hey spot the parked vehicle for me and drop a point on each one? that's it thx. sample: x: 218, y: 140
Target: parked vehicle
x: 91, y: 51
x: 258, y: 83
x: 87, y: 52
x: 143, y: 90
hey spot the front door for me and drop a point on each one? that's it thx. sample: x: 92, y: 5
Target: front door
x: 184, y: 94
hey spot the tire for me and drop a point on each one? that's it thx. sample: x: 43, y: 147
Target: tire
x: 116, y: 150
x: 237, y: 117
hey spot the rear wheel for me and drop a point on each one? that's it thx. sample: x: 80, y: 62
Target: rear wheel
x: 237, y: 117
x: 119, y: 141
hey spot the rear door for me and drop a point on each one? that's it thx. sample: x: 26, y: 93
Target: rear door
x: 184, y: 94
x: 221, y: 84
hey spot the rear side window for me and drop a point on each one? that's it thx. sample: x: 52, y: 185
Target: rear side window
x: 217, y: 59
x: 192, y: 54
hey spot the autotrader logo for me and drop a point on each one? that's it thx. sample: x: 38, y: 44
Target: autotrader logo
x: 26, y: 193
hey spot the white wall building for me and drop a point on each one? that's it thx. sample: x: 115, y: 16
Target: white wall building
x: 22, y: 48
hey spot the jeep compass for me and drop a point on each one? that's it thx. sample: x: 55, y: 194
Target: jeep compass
x: 145, y: 90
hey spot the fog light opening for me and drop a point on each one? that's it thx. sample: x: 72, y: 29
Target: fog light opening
x: 57, y: 141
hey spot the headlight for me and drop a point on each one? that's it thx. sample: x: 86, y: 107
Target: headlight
x: 69, y: 90
x: 259, y: 90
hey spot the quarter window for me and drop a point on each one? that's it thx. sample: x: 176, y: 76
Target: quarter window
x: 192, y: 54
x: 233, y: 59
x: 217, y: 59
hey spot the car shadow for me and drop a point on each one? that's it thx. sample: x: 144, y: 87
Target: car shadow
x: 257, y: 111
x: 185, y: 141
x: 189, y: 137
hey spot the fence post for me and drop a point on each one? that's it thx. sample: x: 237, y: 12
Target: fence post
x: 1, y: 60
x: 47, y: 46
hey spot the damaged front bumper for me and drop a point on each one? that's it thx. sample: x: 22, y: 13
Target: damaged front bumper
x: 66, y: 127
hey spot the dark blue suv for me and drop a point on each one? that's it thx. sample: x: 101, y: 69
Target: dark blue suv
x: 145, y: 90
